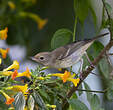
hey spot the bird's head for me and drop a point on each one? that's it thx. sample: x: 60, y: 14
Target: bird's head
x: 42, y: 58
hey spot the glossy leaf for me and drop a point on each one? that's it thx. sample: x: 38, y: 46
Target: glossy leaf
x: 60, y: 38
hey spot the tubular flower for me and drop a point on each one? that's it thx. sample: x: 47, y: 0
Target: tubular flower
x: 9, y: 100
x: 6, y: 73
x: 15, y: 73
x: 0, y: 61
x: 41, y: 22
x: 26, y: 73
x: 19, y: 88
x: 3, y: 34
x: 4, y: 52
x: 11, y: 5
x: 67, y: 77
x: 15, y: 65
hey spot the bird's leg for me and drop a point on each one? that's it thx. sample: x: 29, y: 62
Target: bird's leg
x: 88, y: 59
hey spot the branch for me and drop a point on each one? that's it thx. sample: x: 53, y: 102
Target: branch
x: 87, y: 72
x: 91, y: 90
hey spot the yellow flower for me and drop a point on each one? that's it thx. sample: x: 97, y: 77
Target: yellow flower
x: 19, y: 88
x: 15, y: 65
x: 41, y: 23
x: 9, y: 73
x: 11, y: 5
x: 9, y: 100
x: 26, y: 73
x: 51, y: 106
x: 0, y: 61
x: 4, y: 52
x: 3, y: 34
x: 6, y: 73
x: 40, y: 78
x: 67, y: 77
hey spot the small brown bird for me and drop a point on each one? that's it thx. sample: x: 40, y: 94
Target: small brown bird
x: 65, y: 56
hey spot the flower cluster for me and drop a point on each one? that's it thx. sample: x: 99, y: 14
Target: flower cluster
x: 12, y: 72
x: 34, y: 80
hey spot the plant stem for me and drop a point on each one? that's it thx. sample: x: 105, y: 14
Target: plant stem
x: 74, y: 32
x: 91, y: 90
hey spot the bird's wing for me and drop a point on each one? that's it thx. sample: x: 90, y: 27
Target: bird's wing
x: 69, y: 49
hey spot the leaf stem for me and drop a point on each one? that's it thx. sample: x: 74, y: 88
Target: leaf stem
x: 74, y: 32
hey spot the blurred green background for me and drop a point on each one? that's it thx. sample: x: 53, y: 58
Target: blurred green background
x: 24, y: 30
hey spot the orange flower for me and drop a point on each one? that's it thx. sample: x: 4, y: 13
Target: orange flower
x: 3, y: 34
x: 67, y: 77
x: 15, y: 73
x: 15, y: 65
x: 42, y: 23
x: 26, y: 73
x: 4, y: 52
x: 9, y: 100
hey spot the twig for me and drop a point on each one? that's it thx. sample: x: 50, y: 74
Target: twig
x: 91, y: 90
x: 109, y: 53
x: 86, y: 72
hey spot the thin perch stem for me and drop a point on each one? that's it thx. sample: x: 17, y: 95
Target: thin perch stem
x: 74, y: 32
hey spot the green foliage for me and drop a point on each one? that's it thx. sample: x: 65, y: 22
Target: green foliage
x: 19, y: 102
x: 82, y: 11
x: 76, y: 104
x: 105, y: 68
x: 93, y: 99
x: 61, y: 37
x: 44, y: 91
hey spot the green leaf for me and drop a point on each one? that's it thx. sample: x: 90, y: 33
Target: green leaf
x: 31, y: 103
x: 82, y: 11
x: 109, y: 92
x: 108, y: 6
x: 44, y: 94
x: 76, y: 104
x: 89, y: 95
x: 95, y: 102
x: 92, y: 99
x: 39, y: 100
x: 80, y: 87
x: 19, y: 102
x: 104, y: 68
x: 97, y: 46
x: 61, y: 38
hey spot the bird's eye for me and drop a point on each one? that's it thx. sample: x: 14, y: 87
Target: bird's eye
x: 41, y: 58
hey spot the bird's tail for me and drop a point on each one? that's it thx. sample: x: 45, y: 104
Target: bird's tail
x: 99, y: 36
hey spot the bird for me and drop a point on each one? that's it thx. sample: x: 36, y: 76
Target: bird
x: 65, y: 56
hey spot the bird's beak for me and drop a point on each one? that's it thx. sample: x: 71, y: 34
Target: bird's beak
x: 33, y: 58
